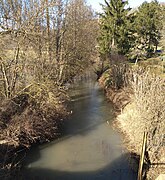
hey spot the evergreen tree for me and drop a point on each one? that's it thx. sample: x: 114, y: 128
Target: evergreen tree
x: 115, y: 28
x: 148, y: 25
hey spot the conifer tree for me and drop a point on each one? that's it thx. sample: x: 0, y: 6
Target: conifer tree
x: 114, y: 28
x: 148, y: 25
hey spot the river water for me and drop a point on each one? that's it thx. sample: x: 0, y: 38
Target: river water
x: 89, y: 149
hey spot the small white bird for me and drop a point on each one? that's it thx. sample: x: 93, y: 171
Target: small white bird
x: 108, y: 122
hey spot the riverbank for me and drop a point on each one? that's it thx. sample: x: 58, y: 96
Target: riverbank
x: 140, y: 106
x: 33, y: 116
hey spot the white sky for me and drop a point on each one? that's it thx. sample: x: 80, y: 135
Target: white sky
x: 132, y: 3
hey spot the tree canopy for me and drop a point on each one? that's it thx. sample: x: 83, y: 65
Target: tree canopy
x: 114, y: 27
x: 148, y: 26
x: 125, y: 31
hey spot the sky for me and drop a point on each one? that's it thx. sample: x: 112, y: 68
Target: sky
x: 132, y: 3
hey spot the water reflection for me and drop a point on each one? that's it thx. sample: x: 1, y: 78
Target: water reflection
x: 89, y: 149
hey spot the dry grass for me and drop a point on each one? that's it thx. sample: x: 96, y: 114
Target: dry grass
x: 146, y: 113
x: 156, y: 65
x: 144, y: 92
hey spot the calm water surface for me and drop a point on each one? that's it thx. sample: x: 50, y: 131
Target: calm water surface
x: 89, y: 149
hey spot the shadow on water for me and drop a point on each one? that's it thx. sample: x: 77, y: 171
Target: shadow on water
x: 88, y: 149
x: 119, y: 169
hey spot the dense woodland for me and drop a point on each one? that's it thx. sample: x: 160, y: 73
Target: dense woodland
x: 45, y: 44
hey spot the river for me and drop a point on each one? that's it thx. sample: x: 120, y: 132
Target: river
x: 89, y: 148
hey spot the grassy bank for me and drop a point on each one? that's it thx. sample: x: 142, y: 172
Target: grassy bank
x: 138, y: 93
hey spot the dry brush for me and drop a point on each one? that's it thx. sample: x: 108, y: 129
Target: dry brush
x: 144, y: 110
